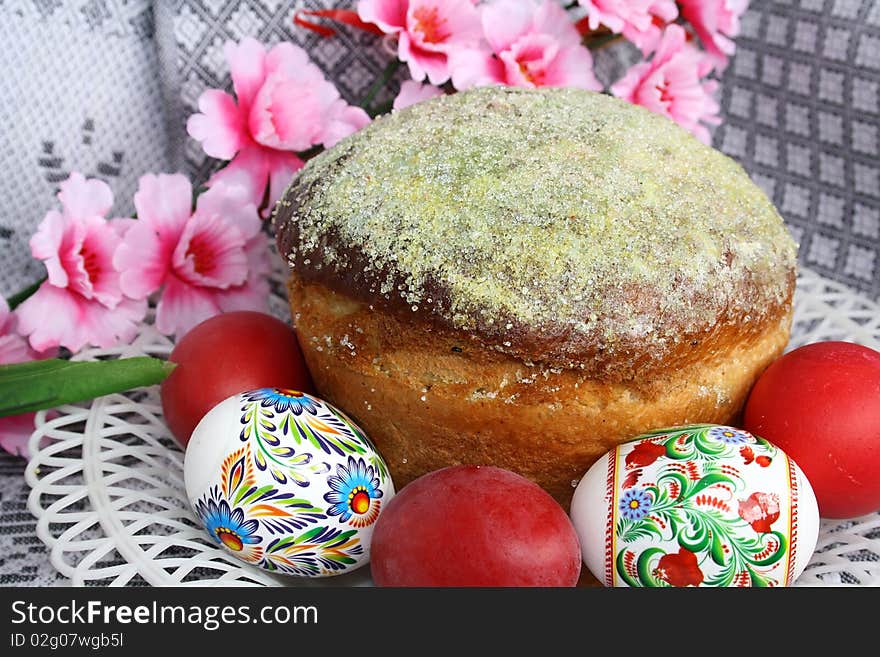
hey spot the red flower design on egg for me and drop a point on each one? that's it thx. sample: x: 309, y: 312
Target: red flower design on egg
x: 760, y: 510
x: 679, y: 569
x: 644, y: 454
x: 632, y: 478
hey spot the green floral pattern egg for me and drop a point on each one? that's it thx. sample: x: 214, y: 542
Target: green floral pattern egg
x: 700, y: 505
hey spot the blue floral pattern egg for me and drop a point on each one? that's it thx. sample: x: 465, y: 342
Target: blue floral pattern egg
x: 285, y: 481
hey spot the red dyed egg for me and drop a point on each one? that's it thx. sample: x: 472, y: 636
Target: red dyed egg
x: 821, y: 404
x: 474, y: 526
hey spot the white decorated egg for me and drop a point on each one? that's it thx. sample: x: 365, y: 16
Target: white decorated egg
x: 700, y: 505
x: 285, y: 481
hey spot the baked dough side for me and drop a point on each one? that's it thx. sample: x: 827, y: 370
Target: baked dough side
x: 430, y: 398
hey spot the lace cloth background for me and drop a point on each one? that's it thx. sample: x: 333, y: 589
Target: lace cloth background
x: 105, y: 86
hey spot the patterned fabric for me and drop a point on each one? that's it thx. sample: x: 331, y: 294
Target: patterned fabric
x: 105, y: 86
x: 801, y: 111
x: 24, y: 560
x: 80, y: 91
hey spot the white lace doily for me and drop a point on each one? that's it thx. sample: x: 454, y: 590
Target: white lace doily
x: 108, y: 494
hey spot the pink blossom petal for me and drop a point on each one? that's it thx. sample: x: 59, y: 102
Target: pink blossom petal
x: 551, y: 18
x: 625, y: 87
x: 250, y: 170
x: 670, y: 84
x: 573, y: 67
x: 341, y: 120
x: 71, y: 257
x: 254, y: 293
x: 15, y: 433
x: 210, y: 253
x: 292, y: 62
x: 46, y: 245
x: 296, y: 107
x: 389, y: 15
x: 143, y: 261
x: 247, y: 62
x: 443, y: 25
x: 15, y: 349
x: 667, y: 10
x: 412, y: 92
x: 39, y: 318
x: 100, y: 280
x: 233, y: 205
x: 220, y: 126
x: 505, y: 21
x: 528, y: 59
x: 55, y: 317
x: 610, y: 13
x: 164, y: 202
x: 120, y: 225
x: 82, y: 198
x: 286, y: 115
x: 635, y: 19
x: 104, y: 327
x: 258, y: 256
x: 281, y: 168
x: 476, y: 68
x: 434, y: 65
x: 645, y: 40
x: 182, y: 306
x: 715, y: 22
x: 7, y: 319
x: 535, y: 44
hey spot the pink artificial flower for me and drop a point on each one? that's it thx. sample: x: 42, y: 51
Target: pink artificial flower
x: 640, y: 21
x: 209, y: 261
x: 715, y: 22
x: 428, y: 31
x: 81, y: 303
x: 412, y: 92
x: 530, y: 44
x: 17, y: 429
x: 282, y: 104
x: 15, y: 432
x: 13, y: 347
x: 672, y: 84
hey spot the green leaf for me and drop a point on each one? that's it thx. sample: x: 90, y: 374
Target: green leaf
x: 775, y: 556
x: 20, y: 297
x: 643, y: 566
x: 378, y: 83
x: 707, y: 481
x: 42, y: 384
x: 621, y: 570
x: 644, y: 529
x: 717, y: 549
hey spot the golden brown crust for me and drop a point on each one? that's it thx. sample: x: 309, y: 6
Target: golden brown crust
x: 431, y: 397
x: 619, y: 360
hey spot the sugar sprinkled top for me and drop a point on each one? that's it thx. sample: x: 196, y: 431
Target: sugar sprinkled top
x: 555, y: 212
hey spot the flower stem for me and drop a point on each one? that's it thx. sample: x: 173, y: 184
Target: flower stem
x: 597, y: 41
x: 42, y: 384
x: 19, y: 297
x: 379, y: 82
x: 310, y: 153
x: 384, y: 108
